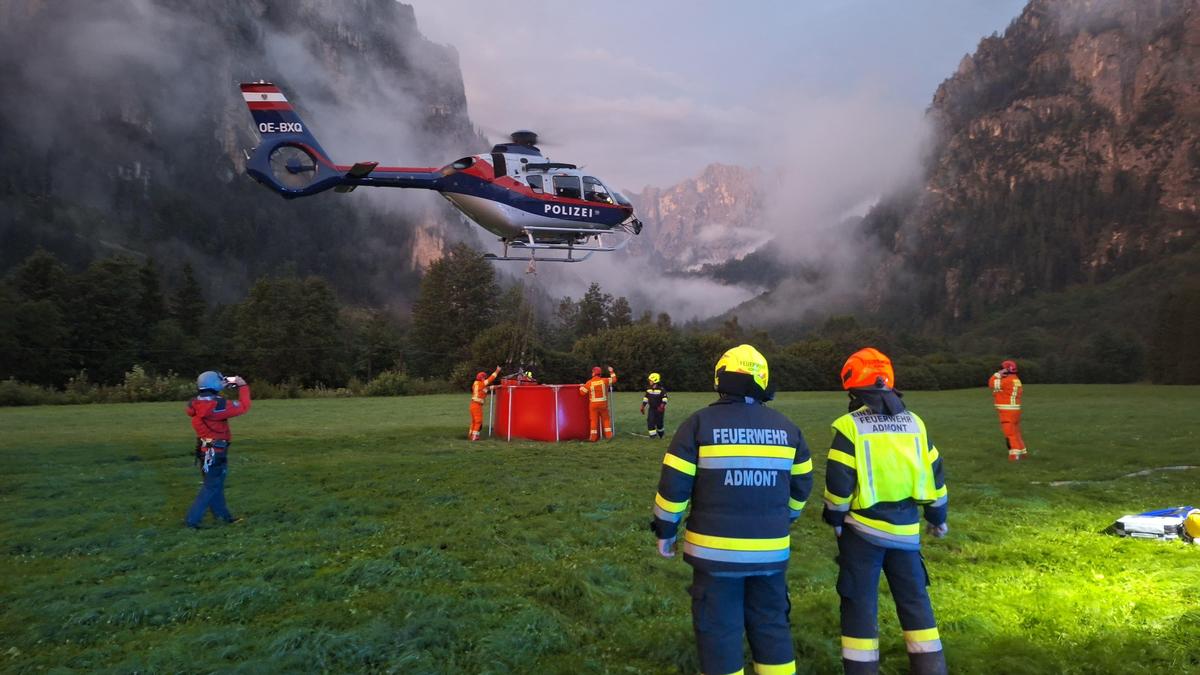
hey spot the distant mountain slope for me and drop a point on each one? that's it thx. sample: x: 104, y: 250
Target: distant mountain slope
x: 122, y: 130
x: 704, y: 221
x: 1067, y: 153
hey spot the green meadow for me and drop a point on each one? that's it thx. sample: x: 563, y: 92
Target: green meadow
x: 377, y: 539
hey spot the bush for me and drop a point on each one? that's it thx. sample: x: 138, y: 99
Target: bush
x: 13, y: 393
x: 79, y: 389
x: 289, y: 389
x: 396, y: 383
x: 138, y: 386
x: 419, y: 387
x: 914, y: 375
x: 388, y: 383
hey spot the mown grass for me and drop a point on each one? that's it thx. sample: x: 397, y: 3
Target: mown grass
x: 377, y: 539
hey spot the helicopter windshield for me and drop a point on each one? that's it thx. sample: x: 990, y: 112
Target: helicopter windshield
x: 594, y: 190
x: 621, y: 199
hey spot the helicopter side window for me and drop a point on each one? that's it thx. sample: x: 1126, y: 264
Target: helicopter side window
x: 535, y: 183
x: 455, y: 167
x: 594, y: 190
x: 567, y: 186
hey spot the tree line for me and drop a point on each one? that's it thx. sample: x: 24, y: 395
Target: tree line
x: 122, y: 320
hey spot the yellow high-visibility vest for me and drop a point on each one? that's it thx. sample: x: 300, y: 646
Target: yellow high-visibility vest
x: 891, y: 456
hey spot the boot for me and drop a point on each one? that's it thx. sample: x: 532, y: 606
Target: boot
x: 928, y: 663
x: 860, y: 667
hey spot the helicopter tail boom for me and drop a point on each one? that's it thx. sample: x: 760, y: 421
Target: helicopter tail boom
x: 291, y: 162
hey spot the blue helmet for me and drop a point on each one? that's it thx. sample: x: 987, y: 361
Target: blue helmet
x: 210, y: 379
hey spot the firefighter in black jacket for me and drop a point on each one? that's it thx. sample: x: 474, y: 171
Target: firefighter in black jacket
x: 746, y: 472
x: 655, y: 401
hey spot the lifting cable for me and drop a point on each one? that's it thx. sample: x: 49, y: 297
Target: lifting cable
x: 522, y: 328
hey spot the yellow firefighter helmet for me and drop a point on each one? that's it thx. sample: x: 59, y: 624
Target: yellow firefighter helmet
x: 1192, y: 524
x: 743, y: 371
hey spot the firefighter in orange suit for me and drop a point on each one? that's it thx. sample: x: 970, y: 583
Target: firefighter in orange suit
x: 479, y: 392
x: 1006, y: 395
x: 598, y: 389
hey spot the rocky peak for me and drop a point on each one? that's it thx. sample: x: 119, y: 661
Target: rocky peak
x: 705, y: 220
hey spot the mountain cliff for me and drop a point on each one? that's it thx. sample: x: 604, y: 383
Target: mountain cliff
x: 708, y: 220
x: 123, y: 130
x: 1067, y: 153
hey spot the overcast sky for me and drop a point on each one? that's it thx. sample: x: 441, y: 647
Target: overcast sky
x: 650, y: 92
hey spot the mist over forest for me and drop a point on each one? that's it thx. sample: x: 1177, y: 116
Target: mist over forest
x: 1037, y: 187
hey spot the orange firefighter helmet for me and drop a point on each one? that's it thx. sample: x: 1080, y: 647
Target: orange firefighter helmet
x: 865, y: 368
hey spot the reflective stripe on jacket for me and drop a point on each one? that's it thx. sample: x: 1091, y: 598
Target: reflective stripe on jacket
x: 479, y: 388
x: 880, y: 468
x: 597, y: 388
x: 745, y: 471
x: 1006, y: 391
x: 654, y: 396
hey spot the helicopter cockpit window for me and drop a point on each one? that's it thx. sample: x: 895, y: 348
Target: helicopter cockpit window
x: 594, y: 190
x: 535, y: 182
x: 621, y: 199
x: 567, y: 186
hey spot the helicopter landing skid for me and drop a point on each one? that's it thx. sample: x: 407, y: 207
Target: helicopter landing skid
x: 530, y: 243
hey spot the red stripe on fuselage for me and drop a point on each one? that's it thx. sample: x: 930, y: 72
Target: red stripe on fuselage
x: 261, y: 89
x: 269, y: 105
x: 391, y: 169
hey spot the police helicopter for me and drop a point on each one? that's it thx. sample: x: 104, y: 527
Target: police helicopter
x: 514, y: 192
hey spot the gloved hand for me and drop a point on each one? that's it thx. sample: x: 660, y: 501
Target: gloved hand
x: 662, y: 407
x: 837, y: 531
x: 666, y: 546
x: 938, y: 531
x: 643, y: 410
x: 610, y: 370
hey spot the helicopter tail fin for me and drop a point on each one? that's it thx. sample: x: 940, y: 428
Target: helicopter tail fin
x: 274, y: 116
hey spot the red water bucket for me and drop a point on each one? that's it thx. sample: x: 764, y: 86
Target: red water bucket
x: 539, y: 412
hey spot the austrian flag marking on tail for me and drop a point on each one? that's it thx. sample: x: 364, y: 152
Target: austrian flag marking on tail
x: 271, y: 111
x: 264, y: 97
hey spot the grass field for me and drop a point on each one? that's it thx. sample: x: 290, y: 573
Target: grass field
x: 376, y: 539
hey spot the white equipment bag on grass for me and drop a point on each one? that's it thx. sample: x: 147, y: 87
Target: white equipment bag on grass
x: 1164, y: 524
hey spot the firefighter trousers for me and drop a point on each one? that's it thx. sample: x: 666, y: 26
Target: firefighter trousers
x: 1010, y: 424
x: 859, y: 565
x: 723, y: 608
x: 654, y: 421
x: 600, y: 420
x: 476, y: 421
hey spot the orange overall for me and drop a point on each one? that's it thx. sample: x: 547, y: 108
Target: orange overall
x: 479, y: 393
x: 1006, y: 395
x: 597, y: 390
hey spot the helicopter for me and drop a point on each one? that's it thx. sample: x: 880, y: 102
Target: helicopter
x: 532, y: 204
